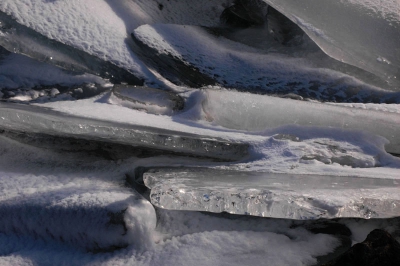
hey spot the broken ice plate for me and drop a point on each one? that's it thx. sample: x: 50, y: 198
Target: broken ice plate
x: 287, y: 196
x: 38, y: 120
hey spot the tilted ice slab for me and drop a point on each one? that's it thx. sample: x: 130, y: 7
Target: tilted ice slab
x: 20, y: 39
x: 35, y: 119
x: 252, y: 112
x: 18, y: 71
x: 273, y: 195
x: 101, y: 27
x: 365, y: 34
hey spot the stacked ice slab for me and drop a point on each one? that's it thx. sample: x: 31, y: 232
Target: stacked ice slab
x: 34, y: 119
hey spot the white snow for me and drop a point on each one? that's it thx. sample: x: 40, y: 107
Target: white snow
x: 60, y: 196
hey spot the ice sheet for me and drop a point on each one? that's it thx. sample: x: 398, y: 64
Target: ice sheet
x: 287, y: 196
x: 254, y: 113
x: 38, y: 120
x: 197, y: 53
x: 360, y: 33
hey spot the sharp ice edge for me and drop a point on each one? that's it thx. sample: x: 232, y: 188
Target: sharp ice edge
x: 38, y: 120
x: 273, y: 195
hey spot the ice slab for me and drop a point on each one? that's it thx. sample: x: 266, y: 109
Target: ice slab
x: 35, y: 119
x: 365, y: 34
x: 20, y: 39
x: 170, y: 67
x: 255, y: 112
x: 287, y: 196
x: 198, y: 56
x: 150, y: 100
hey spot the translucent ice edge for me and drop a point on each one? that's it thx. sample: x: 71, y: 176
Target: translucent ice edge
x: 273, y: 195
x: 254, y: 112
x: 39, y: 120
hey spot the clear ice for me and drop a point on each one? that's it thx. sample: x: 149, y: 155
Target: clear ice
x: 33, y: 119
x: 288, y: 196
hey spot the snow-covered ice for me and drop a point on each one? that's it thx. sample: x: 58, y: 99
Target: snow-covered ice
x: 292, y: 112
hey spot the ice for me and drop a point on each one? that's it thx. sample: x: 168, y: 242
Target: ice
x: 20, y: 39
x: 291, y: 114
x: 365, y: 34
x: 106, y: 36
x: 273, y: 195
x: 100, y: 27
x: 39, y: 120
x: 197, y: 56
x: 254, y: 113
x: 40, y: 76
x: 147, y: 99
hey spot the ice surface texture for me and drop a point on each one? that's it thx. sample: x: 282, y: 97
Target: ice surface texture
x: 273, y: 195
x: 20, y: 39
x: 193, y: 56
x: 38, y: 120
x: 340, y: 28
x: 254, y: 113
x: 365, y: 34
